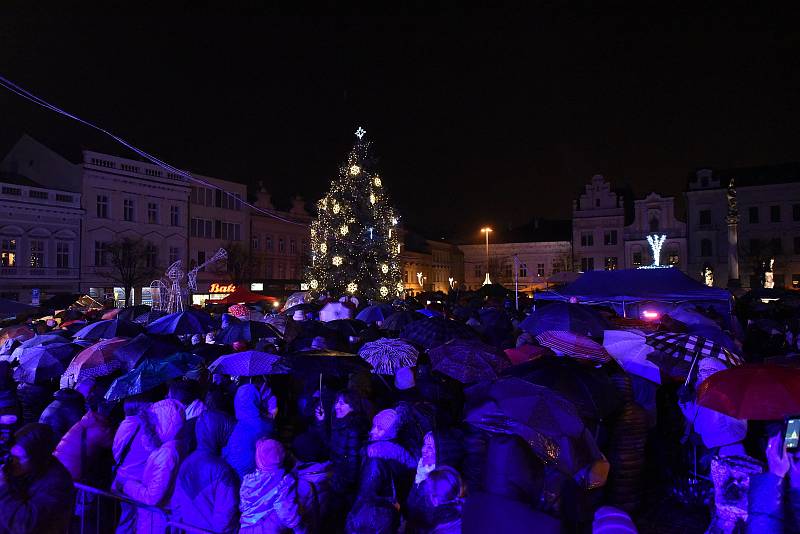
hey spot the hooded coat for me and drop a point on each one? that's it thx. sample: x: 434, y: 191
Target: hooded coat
x: 207, y: 490
x: 66, y: 410
x: 250, y: 426
x: 86, y: 447
x: 166, y: 418
x: 347, y: 437
x: 772, y: 506
x: 387, y: 470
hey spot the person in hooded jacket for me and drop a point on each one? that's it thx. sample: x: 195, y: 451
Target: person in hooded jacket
x: 36, y: 491
x: 512, y: 486
x: 251, y: 425
x: 443, y: 494
x: 130, y: 455
x: 163, y: 421
x: 207, y: 490
x: 66, y: 410
x: 268, y: 496
x: 85, y: 450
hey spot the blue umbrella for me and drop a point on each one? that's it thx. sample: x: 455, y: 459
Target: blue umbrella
x: 435, y: 331
x: 44, y: 339
x: 249, y: 363
x: 108, y: 329
x: 153, y: 372
x: 142, y: 347
x: 246, y: 331
x: 185, y: 322
x: 375, y: 313
x: 45, y: 362
x: 564, y: 316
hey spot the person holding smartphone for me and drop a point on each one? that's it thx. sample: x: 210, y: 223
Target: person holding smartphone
x: 774, y: 496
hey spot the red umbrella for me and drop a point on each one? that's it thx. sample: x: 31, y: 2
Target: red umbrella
x: 575, y: 345
x: 524, y: 353
x: 766, y: 392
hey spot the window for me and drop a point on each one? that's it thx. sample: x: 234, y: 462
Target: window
x: 202, y: 196
x: 151, y: 256
x: 200, y: 228
x: 281, y: 245
x: 152, y: 213
x: 8, y: 253
x: 705, y: 248
x: 796, y: 281
x: 611, y: 263
x: 281, y: 271
x: 673, y: 258
x: 610, y: 237
x: 523, y: 270
x: 478, y: 270
x: 752, y: 214
x: 775, y: 214
x: 254, y: 242
x: 37, y: 253
x: 102, y: 207
x: 292, y: 247
x: 508, y: 270
x: 201, y: 259
x: 62, y: 255
x: 174, y: 215
x: 637, y: 259
x: 797, y: 245
x: 556, y: 266
x: 587, y: 264
x: 597, y: 203
x: 705, y: 217
x: 776, y: 245
x: 38, y: 194
x: 540, y: 269
x: 64, y: 198
x: 587, y: 239
x: 127, y: 209
x: 406, y: 277
x: 796, y: 212
x: 230, y: 231
x: 174, y: 254
x: 268, y: 243
x: 100, y: 253
x: 12, y: 191
x: 654, y: 224
x: 228, y: 201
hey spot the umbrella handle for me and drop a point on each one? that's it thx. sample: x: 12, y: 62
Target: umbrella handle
x: 691, y: 367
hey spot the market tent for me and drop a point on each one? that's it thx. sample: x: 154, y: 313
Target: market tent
x: 630, y: 286
x: 243, y: 295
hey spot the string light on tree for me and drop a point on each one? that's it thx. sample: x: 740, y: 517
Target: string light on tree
x: 313, y: 284
x: 355, y: 223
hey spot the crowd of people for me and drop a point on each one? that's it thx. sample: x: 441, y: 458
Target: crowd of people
x: 358, y: 451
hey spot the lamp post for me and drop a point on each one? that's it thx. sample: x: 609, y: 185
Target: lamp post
x: 486, y: 231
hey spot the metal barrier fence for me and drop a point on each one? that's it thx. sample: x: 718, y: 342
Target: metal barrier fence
x: 99, y: 511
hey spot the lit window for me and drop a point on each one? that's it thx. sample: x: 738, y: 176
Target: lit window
x: 523, y: 270
x: 8, y: 252
x: 611, y: 263
x: 540, y: 269
x: 37, y: 253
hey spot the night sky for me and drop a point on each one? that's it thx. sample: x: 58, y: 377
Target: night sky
x: 476, y: 121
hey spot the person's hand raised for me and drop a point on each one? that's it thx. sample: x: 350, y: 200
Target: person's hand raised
x: 777, y: 458
x: 319, y: 413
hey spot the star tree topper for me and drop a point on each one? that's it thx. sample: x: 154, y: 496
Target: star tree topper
x: 360, y: 132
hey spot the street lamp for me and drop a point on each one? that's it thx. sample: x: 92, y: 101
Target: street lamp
x: 486, y: 230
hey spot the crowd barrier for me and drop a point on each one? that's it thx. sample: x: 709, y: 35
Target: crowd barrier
x: 98, y: 512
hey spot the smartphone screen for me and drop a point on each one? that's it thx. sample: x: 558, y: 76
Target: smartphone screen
x: 792, y: 436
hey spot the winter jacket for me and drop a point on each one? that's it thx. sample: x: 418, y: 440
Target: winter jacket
x: 268, y: 502
x: 40, y: 505
x: 387, y: 471
x: 207, y: 490
x: 346, y: 440
x: 161, y: 467
x: 240, y: 452
x: 85, y: 450
x: 768, y: 509
x: 424, y: 518
x: 66, y: 410
x: 318, y: 475
x: 129, y: 450
x: 484, y: 512
x: 33, y: 399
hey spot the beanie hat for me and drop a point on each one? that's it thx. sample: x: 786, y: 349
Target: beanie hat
x: 387, y: 420
x: 404, y: 378
x: 269, y: 454
x: 610, y: 520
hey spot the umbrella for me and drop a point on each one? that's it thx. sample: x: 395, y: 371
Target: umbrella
x: 108, y: 329
x: 685, y: 346
x: 11, y: 332
x: 12, y: 307
x: 151, y: 373
x: 97, y: 360
x: 468, y: 360
x: 179, y: 323
x: 631, y: 350
x: 298, y: 297
x: 336, y: 310
x: 376, y: 313
x: 141, y: 347
x: 8, y: 346
x: 40, y: 364
x: 435, y: 331
x: 545, y: 419
x: 45, y: 339
x: 149, y: 316
x: 715, y: 335
x: 574, y: 345
x: 110, y: 314
x: 347, y: 327
x: 590, y: 389
x: 246, y: 331
x: 301, y: 334
x: 69, y: 314
x: 769, y: 392
x: 524, y: 353
x: 249, y: 363
x: 132, y: 312
x: 386, y: 355
x: 565, y: 316
x: 399, y: 320
x: 303, y: 307
x: 278, y: 322
x: 689, y: 316
x: 209, y: 351
x: 429, y: 313
x: 327, y: 362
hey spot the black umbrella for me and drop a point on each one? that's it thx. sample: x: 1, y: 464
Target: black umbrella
x: 435, y: 331
x: 326, y: 362
x: 347, y: 327
x: 399, y: 320
x: 209, y: 351
x: 149, y: 316
x: 246, y: 331
x: 108, y: 329
x: 132, y: 312
x: 304, y: 307
x: 468, y: 360
x: 144, y: 346
x: 301, y: 335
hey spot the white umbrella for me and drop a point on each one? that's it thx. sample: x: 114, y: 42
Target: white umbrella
x: 691, y: 317
x: 630, y: 350
x: 335, y: 310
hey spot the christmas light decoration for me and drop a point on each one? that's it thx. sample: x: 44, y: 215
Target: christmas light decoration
x: 656, y: 242
x: 313, y: 284
x: 354, y: 224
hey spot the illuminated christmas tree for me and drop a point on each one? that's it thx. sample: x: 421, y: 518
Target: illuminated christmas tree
x: 354, y: 240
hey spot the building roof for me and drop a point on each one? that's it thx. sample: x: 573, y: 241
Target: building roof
x: 15, y: 178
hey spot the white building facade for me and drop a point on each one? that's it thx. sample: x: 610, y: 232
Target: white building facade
x: 598, y: 224
x: 654, y: 215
